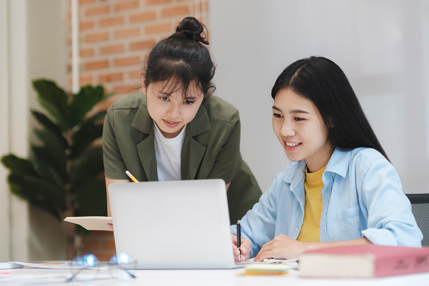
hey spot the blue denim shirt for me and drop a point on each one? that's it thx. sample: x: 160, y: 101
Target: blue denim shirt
x: 362, y: 196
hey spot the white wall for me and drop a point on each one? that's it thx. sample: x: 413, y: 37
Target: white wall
x: 4, y: 142
x: 14, y: 128
x: 382, y: 46
x: 32, y: 45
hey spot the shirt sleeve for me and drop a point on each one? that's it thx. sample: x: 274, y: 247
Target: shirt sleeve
x: 259, y: 224
x: 225, y: 165
x: 114, y: 166
x: 390, y: 219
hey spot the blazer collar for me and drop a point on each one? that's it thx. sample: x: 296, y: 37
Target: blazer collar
x: 142, y: 121
x: 192, y: 150
x: 200, y: 123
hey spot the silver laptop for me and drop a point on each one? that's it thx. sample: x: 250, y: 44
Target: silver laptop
x: 173, y: 224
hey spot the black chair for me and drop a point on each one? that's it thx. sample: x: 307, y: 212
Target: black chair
x: 420, y: 207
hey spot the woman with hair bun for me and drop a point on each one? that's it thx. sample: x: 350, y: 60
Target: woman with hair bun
x: 176, y: 129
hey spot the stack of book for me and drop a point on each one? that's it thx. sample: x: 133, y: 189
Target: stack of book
x: 364, y: 261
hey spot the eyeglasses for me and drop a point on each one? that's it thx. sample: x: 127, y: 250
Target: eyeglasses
x: 84, y: 268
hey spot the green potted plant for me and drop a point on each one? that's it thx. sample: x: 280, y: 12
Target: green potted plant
x: 64, y: 174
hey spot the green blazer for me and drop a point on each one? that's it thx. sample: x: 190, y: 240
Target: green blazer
x: 211, y: 148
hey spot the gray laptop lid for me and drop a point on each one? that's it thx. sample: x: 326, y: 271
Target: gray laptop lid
x: 173, y: 224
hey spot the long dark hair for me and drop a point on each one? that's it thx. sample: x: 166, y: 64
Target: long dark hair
x: 182, y: 57
x: 325, y: 84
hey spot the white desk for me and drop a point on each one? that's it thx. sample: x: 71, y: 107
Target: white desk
x: 227, y: 278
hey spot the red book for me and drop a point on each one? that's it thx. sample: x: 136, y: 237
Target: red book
x: 364, y: 261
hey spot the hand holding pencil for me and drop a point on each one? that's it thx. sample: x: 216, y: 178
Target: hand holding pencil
x: 131, y: 176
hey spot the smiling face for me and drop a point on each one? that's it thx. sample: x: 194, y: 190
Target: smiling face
x: 170, y: 108
x: 301, y: 130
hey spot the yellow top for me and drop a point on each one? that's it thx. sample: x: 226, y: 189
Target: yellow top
x: 313, y: 206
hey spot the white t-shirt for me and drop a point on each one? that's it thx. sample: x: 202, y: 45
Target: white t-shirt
x: 168, y: 153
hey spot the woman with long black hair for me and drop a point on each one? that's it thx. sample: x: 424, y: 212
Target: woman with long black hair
x: 341, y: 188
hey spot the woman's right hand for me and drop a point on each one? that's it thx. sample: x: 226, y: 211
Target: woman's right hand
x: 245, y: 247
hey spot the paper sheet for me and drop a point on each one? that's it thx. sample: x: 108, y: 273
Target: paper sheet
x: 92, y: 222
x: 45, y: 265
x: 282, y: 261
x: 292, y: 262
x: 9, y: 265
x: 41, y: 279
x: 32, y: 279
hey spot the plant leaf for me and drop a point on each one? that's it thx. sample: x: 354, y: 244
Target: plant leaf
x: 90, y: 198
x: 51, y: 109
x: 88, y: 165
x: 31, y: 198
x: 58, y: 162
x: 49, y: 174
x: 51, y: 126
x: 49, y: 140
x: 83, y: 102
x: 54, y: 100
x: 89, y: 130
x: 34, y: 189
x: 18, y: 165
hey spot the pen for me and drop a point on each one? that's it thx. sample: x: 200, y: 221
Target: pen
x: 131, y: 176
x: 239, y: 238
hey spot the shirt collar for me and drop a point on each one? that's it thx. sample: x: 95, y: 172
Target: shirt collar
x: 294, y: 174
x: 338, y: 163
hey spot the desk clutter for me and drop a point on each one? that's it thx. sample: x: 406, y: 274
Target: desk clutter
x: 344, y: 264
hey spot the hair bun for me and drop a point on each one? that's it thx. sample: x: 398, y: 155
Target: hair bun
x: 192, y: 28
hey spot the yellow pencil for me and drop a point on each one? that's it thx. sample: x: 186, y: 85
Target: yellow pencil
x: 131, y: 176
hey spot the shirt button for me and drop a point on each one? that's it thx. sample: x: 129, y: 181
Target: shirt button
x: 296, y: 229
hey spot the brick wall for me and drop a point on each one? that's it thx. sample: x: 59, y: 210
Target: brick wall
x: 99, y: 243
x: 115, y: 37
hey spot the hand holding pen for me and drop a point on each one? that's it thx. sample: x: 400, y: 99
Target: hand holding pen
x: 241, y: 246
x: 239, y: 239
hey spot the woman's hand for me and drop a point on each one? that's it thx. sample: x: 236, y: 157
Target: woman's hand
x: 245, y: 247
x: 281, y: 246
